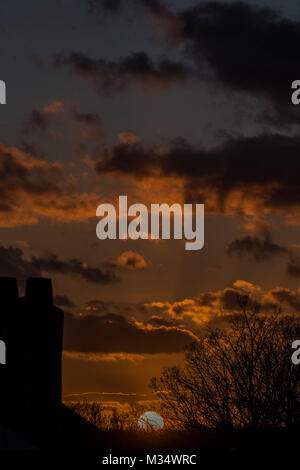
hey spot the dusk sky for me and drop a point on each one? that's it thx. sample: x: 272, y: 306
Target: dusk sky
x: 178, y: 102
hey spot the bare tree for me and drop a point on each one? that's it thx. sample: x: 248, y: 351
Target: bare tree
x: 238, y: 377
x: 91, y: 411
x: 109, y: 418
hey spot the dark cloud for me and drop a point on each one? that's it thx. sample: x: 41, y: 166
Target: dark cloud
x: 227, y: 300
x: 63, y: 301
x: 90, y: 124
x: 243, y: 175
x: 42, y: 119
x: 109, y: 76
x: 104, y: 6
x: 22, y: 176
x: 260, y: 248
x: 287, y: 297
x: 32, y: 149
x: 168, y: 20
x: 156, y: 7
x: 263, y: 248
x: 113, y: 333
x: 159, y: 321
x: 101, y: 307
x: 115, y: 6
x: 14, y: 264
x: 293, y: 267
x: 37, y: 120
x: 87, y: 118
x: 232, y: 301
x: 248, y: 48
x: 52, y: 264
x: 206, y: 299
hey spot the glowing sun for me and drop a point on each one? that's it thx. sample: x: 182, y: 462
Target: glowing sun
x: 151, y: 420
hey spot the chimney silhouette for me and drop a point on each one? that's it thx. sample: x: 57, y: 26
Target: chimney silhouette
x: 8, y: 290
x: 32, y: 330
x: 39, y: 291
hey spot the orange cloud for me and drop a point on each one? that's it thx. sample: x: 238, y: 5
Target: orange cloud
x: 53, y: 107
x: 33, y: 188
x: 213, y: 306
x: 128, y: 138
x: 131, y: 261
x: 247, y: 287
x: 109, y: 357
x: 219, y: 177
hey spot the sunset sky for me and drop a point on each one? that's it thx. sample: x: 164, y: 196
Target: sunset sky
x: 185, y: 101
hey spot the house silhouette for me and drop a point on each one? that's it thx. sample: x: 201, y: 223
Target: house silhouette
x: 31, y: 411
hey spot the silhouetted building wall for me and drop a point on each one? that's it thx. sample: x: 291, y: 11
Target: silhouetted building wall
x: 32, y: 329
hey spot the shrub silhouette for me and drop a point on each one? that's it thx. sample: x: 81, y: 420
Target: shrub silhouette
x: 239, y: 377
